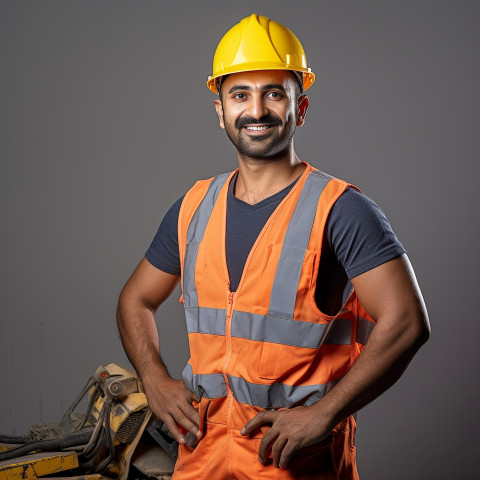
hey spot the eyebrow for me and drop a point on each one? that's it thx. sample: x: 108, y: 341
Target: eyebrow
x: 265, y: 87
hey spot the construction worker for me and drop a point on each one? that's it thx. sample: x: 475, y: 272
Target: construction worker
x: 301, y: 304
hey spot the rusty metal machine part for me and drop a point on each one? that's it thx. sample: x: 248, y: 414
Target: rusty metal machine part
x: 103, y: 440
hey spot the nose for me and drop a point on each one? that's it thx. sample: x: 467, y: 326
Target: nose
x: 257, y: 107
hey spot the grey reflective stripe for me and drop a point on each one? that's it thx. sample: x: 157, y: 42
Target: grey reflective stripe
x: 340, y: 332
x: 277, y: 395
x: 205, y: 320
x: 265, y: 328
x: 187, y: 375
x: 287, y: 275
x: 211, y: 385
x: 364, y: 329
x: 195, y: 232
x: 199, y: 221
x: 189, y: 289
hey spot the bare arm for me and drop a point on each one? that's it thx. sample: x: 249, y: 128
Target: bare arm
x: 391, y: 296
x: 169, y: 399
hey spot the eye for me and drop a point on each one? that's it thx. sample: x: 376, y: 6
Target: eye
x: 240, y: 96
x: 274, y: 95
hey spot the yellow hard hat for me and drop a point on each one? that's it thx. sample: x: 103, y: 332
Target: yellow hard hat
x: 258, y: 43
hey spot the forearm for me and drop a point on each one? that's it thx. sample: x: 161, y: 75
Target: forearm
x: 391, y: 296
x: 138, y: 331
x: 389, y: 350
x: 169, y: 399
x: 384, y: 358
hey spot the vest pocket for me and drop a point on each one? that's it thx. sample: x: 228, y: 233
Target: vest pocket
x: 268, y: 361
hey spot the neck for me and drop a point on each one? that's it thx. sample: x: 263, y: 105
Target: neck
x: 262, y: 178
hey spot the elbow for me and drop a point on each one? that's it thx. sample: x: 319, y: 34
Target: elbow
x: 419, y: 330
x: 131, y: 304
x: 407, y: 331
x: 120, y: 306
x: 425, y: 331
x: 126, y: 305
x: 120, y: 313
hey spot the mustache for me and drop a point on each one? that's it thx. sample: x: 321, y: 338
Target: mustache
x: 269, y: 119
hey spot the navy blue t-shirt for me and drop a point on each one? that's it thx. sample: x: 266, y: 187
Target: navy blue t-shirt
x: 358, y: 238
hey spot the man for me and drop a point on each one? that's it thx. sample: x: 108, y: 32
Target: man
x: 285, y: 271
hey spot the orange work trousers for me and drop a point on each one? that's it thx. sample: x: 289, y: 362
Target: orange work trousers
x: 222, y: 453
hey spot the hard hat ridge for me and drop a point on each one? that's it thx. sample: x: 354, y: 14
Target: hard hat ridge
x: 259, y: 43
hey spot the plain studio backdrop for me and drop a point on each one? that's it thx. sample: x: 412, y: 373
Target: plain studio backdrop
x: 106, y: 121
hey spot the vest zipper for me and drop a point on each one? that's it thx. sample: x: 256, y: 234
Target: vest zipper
x: 228, y: 354
x: 228, y: 338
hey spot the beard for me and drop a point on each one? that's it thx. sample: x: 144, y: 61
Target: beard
x: 270, y: 146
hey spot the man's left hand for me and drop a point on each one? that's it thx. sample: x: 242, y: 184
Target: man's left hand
x: 291, y: 430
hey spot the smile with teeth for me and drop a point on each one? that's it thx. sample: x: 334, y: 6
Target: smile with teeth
x: 254, y: 127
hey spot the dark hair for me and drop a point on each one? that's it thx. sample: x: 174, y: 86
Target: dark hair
x: 218, y: 83
x: 299, y: 78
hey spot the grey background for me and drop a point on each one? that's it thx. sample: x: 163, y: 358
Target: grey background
x: 106, y: 121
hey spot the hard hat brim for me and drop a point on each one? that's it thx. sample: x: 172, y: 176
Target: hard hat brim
x: 307, y: 75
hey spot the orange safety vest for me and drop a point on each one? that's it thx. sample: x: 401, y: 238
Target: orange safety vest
x: 267, y: 345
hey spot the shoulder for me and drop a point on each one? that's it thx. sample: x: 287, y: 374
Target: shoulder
x: 163, y: 251
x: 354, y: 209
x: 352, y: 201
x: 201, y: 187
x: 359, y: 233
x: 205, y: 184
x: 209, y: 188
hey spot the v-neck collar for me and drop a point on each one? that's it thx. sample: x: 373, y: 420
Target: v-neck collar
x: 263, y: 203
x: 297, y: 184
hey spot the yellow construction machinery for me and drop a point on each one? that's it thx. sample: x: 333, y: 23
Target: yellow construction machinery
x: 116, y: 438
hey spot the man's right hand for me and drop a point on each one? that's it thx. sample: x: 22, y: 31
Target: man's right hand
x: 171, y: 402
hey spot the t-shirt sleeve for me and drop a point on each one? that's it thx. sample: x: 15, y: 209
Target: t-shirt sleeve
x: 163, y: 251
x: 359, y: 234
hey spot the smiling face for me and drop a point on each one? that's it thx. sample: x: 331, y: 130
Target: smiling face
x: 260, y: 110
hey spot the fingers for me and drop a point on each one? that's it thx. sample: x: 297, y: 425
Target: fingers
x: 278, y: 450
x: 173, y: 429
x: 171, y: 402
x: 259, y: 419
x: 191, y: 413
x: 265, y: 445
x: 282, y: 449
x: 176, y: 421
x: 191, y: 396
x: 287, y: 452
x: 272, y: 441
x: 187, y: 417
x: 285, y: 437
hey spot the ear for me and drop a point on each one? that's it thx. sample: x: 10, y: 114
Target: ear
x: 219, y: 109
x: 303, y: 103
